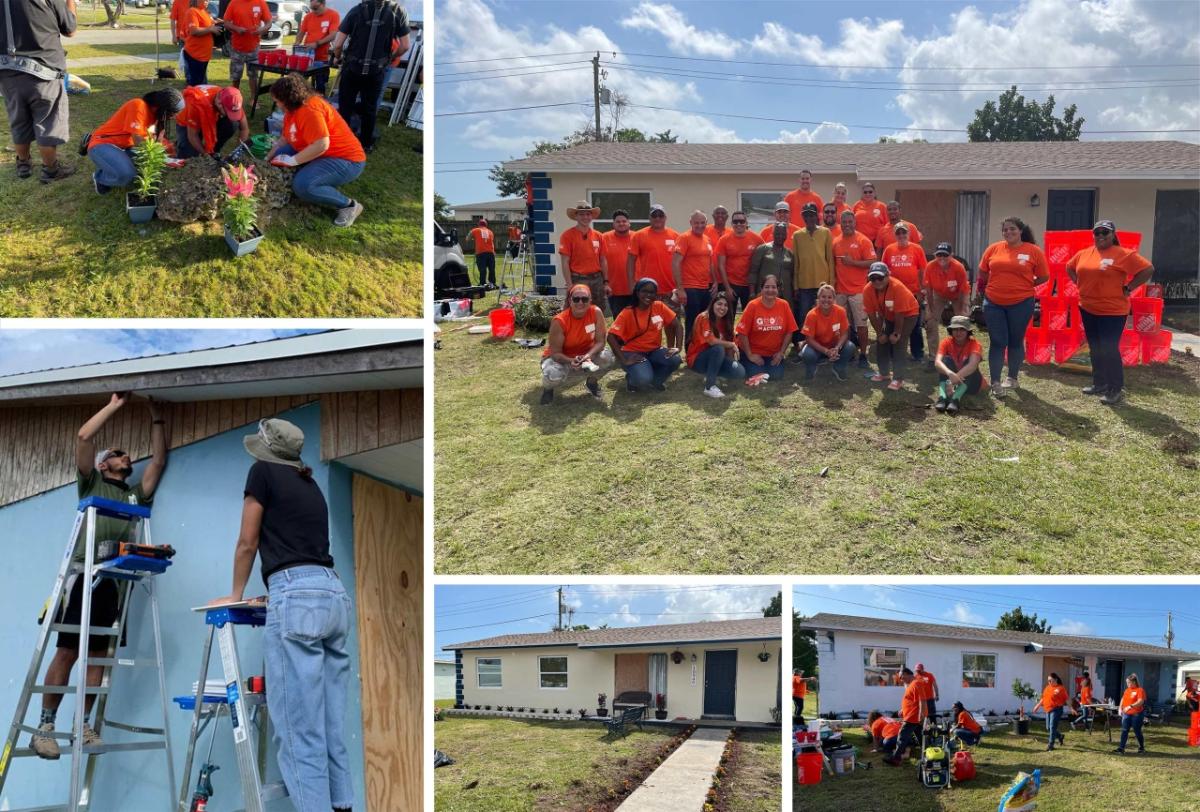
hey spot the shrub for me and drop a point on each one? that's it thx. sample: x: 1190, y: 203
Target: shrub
x: 535, y: 312
x: 150, y: 159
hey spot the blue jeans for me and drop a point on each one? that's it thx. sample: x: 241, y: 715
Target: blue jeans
x: 803, y: 300
x: 183, y: 147
x: 1053, y: 718
x: 714, y: 362
x: 1006, y: 327
x: 114, y: 166
x: 811, y: 358
x: 752, y: 369
x: 697, y: 303
x: 195, y: 70
x: 1104, y: 345
x: 652, y: 371
x: 969, y: 738
x: 1134, y: 721
x: 916, y: 340
x: 742, y: 292
x: 317, y: 180
x: 308, y: 669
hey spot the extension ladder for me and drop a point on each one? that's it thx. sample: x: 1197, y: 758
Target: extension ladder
x: 513, y: 270
x: 237, y: 702
x: 129, y: 571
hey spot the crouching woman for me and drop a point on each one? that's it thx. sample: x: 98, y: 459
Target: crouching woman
x: 575, y: 350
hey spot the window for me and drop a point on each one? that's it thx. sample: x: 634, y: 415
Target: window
x: 881, y: 666
x: 636, y: 202
x: 552, y: 672
x: 487, y: 672
x: 979, y: 670
x: 759, y: 207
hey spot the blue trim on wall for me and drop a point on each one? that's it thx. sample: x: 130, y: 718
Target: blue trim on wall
x: 543, y: 230
x: 458, y: 680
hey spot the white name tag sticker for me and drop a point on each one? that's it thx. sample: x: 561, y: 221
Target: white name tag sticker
x: 837, y: 328
x: 595, y: 243
x: 1104, y: 263
x: 1022, y: 257
x: 669, y: 243
x: 591, y: 328
x: 656, y: 321
x: 889, y: 303
x: 952, y: 284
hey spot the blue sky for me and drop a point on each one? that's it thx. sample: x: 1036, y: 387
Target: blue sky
x: 928, y: 65
x: 1137, y: 613
x: 464, y: 613
x: 34, y: 350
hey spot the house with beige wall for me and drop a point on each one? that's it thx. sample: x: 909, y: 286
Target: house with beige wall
x: 953, y: 192
x: 721, y: 670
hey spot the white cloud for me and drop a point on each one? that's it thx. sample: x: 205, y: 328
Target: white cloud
x: 1068, y: 626
x: 681, y: 37
x: 961, y: 613
x: 622, y: 617
x: 697, y: 605
x: 882, y: 596
x: 828, y: 132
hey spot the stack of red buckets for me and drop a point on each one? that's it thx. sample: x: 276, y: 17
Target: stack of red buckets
x: 1060, y: 332
x: 1194, y: 730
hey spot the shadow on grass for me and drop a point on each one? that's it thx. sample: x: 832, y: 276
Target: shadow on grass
x: 1153, y: 423
x: 1051, y: 417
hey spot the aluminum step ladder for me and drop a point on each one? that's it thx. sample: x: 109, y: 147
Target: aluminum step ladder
x: 237, y: 701
x: 130, y: 572
x: 514, y: 270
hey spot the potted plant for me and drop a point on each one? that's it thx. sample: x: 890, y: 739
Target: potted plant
x: 600, y: 709
x: 1022, y: 690
x: 150, y: 159
x: 660, y: 706
x: 240, y: 210
x: 677, y: 657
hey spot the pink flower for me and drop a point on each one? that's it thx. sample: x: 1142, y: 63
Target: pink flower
x: 239, y: 181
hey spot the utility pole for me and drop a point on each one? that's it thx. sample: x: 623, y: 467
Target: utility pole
x: 1170, y: 635
x: 596, y: 90
x: 559, y: 627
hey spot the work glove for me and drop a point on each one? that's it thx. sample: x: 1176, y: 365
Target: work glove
x: 284, y: 160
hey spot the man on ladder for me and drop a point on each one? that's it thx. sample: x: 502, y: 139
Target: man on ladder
x: 104, y: 474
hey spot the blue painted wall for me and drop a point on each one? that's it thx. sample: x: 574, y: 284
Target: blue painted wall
x: 197, y: 510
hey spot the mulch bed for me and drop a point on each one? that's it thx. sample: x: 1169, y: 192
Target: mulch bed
x: 718, y: 798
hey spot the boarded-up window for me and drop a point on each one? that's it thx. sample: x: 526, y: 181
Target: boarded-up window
x: 487, y: 672
x: 552, y: 672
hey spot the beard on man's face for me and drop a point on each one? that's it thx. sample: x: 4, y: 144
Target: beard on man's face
x: 116, y: 469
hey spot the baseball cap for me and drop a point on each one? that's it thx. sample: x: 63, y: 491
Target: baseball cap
x: 230, y: 101
x: 657, y: 207
x: 107, y: 454
x: 1109, y: 224
x: 900, y: 227
x: 942, y: 248
x: 782, y: 206
x: 920, y: 666
x: 481, y: 221
x: 810, y: 208
x: 877, y: 271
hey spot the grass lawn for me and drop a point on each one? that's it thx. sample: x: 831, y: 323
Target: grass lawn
x: 506, y: 765
x: 443, y: 703
x: 64, y: 251
x: 1082, y: 775
x: 754, y: 786
x: 678, y: 482
x: 91, y: 15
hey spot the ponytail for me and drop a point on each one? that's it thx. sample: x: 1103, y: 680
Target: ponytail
x: 1026, y: 231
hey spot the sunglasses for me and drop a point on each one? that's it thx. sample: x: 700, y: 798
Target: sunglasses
x: 1101, y: 232
x: 580, y: 299
x: 740, y: 222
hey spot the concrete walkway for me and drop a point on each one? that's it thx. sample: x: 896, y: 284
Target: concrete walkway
x: 681, y: 782
x: 118, y: 36
x: 1182, y: 342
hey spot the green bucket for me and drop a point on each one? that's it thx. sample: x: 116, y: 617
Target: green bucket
x: 261, y: 144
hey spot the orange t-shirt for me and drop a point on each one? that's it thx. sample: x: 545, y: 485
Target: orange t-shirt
x: 1102, y: 274
x: 887, y: 233
x: 827, y: 330
x: 485, y: 240
x: 895, y: 300
x: 702, y: 338
x: 1132, y: 696
x: 654, y: 251
x: 767, y: 328
x: 905, y: 264
x: 710, y: 231
x: 767, y: 234
x: 178, y: 7
x: 199, y: 48
x: 318, y: 26
x: 134, y: 117
x: 799, y: 687
x: 950, y: 282
x: 796, y: 200
x: 849, y: 280
x: 247, y: 14
x: 912, y: 704
x: 582, y: 249
x: 924, y: 681
x: 737, y: 252
x: 1085, y: 694
x: 869, y: 218
x: 960, y: 355
x: 1011, y: 271
x: 835, y: 232
x: 315, y: 119
x: 616, y: 252
x: 1053, y: 696
x: 579, y: 335
x: 967, y: 721
x: 696, y: 268
x: 199, y: 113
x: 841, y: 207
x: 642, y: 330
x: 890, y: 729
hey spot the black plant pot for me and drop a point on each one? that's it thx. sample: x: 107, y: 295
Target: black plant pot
x: 660, y: 715
x: 1023, y: 727
x: 602, y: 711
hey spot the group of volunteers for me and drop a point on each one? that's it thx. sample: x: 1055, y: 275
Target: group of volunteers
x: 814, y: 284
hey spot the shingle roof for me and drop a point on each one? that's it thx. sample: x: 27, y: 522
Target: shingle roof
x: 763, y: 628
x: 1009, y: 160
x: 503, y: 204
x: 1055, y: 642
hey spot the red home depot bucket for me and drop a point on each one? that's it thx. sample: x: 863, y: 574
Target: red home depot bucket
x: 1156, y: 348
x: 1039, y: 347
x: 1131, y: 348
x: 504, y: 321
x: 808, y: 768
x: 1054, y: 312
x: 1146, y: 315
x: 1066, y: 343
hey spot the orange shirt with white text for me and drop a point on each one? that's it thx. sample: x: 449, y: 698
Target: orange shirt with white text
x: 579, y: 334
x: 1011, y: 271
x: 767, y: 329
x: 1102, y: 275
x: 905, y: 264
x: 828, y: 329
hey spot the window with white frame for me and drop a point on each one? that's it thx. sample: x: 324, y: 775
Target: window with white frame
x: 552, y: 672
x: 759, y: 207
x: 487, y: 672
x: 978, y: 670
x: 882, y: 666
x: 634, y: 201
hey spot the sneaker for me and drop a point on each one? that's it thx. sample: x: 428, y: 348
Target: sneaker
x: 952, y: 407
x: 61, y: 170
x: 45, y: 746
x: 90, y: 737
x: 998, y: 391
x: 1119, y: 750
x: 714, y: 391
x: 100, y: 188
x: 24, y: 170
x: 547, y: 396
x: 1114, y: 397
x: 1010, y: 383
x: 1141, y: 750
x: 863, y: 363
x: 1095, y: 390
x: 837, y: 373
x: 941, y: 404
x: 877, y: 378
x: 346, y: 217
x: 588, y: 366
x: 896, y: 384
x: 593, y: 388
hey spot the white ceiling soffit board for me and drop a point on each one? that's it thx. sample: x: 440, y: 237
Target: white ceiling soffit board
x: 401, y: 464
x: 353, y: 382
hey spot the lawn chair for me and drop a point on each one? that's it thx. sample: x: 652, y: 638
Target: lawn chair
x: 1159, y: 713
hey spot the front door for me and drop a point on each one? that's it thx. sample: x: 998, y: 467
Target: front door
x: 1152, y: 677
x: 1114, y: 679
x: 720, y: 683
x: 1071, y: 209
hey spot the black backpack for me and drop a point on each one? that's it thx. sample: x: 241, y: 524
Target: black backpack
x: 370, y: 47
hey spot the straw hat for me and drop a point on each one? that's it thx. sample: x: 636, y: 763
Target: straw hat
x: 582, y: 205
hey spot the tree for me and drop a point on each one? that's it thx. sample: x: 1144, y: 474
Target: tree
x: 441, y: 208
x: 804, y: 646
x: 664, y: 137
x: 1014, y: 119
x: 114, y: 14
x: 1018, y: 621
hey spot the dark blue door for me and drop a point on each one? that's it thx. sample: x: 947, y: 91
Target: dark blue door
x: 720, y: 682
x: 1070, y: 209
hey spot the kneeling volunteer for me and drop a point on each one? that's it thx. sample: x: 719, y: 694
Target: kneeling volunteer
x: 713, y: 351
x: 957, y: 364
x: 764, y: 332
x: 884, y: 731
x: 965, y: 726
x: 827, y: 329
x: 209, y: 117
x: 110, y: 146
x: 636, y: 339
x: 893, y: 311
x: 575, y: 349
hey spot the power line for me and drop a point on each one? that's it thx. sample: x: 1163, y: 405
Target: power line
x: 509, y: 58
x: 534, y: 70
x: 510, y: 109
x: 497, y: 623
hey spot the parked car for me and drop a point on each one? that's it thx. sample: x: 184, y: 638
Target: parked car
x: 271, y: 39
x: 288, y: 14
x: 450, y: 277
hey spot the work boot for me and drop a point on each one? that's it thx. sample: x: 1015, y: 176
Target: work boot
x: 24, y: 168
x: 593, y: 387
x: 1095, y: 390
x: 90, y: 737
x: 346, y: 217
x: 1113, y: 397
x: 59, y: 171
x: 45, y: 746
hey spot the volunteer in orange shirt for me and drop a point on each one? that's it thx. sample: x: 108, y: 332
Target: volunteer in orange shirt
x: 893, y: 311
x: 853, y: 253
x: 798, y: 197
x: 717, y: 229
x: 713, y: 350
x: 839, y: 200
x: 209, y: 117
x: 1133, y: 713
x: 733, y: 258
x: 1054, y: 700
x: 764, y: 332
x: 111, y: 145
x: 931, y: 691
x: 965, y: 726
x: 883, y: 730
x: 583, y: 260
x: 1086, y: 698
x: 829, y: 219
x: 575, y: 348
x: 870, y: 214
x: 1191, y: 694
x: 636, y: 339
x: 945, y: 283
x: 616, y: 245
x: 912, y: 712
x: 782, y: 215
x: 887, y: 234
x: 513, y: 246
x: 906, y: 262
x: 485, y: 252
x: 957, y: 363
x: 1105, y: 274
x: 317, y: 30
x: 692, y: 270
x: 827, y: 330
x: 198, y: 29
x: 651, y: 254
x: 1008, y: 272
x: 246, y: 21
x: 799, y: 691
x: 318, y: 140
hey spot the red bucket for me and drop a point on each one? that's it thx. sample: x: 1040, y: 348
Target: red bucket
x: 1131, y: 348
x: 504, y: 321
x: 808, y: 768
x: 1039, y: 347
x: 1066, y: 343
x: 1156, y: 348
x: 1054, y: 312
x: 1194, y: 737
x: 1146, y: 315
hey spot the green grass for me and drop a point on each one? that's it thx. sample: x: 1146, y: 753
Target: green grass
x: 64, y: 251
x: 753, y: 785
x: 678, y: 482
x: 168, y: 55
x: 443, y: 703
x: 511, y: 765
x: 87, y: 17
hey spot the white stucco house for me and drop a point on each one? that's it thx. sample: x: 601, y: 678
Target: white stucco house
x: 723, y: 670
x: 859, y: 658
x: 443, y: 679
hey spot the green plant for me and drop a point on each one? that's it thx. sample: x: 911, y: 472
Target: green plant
x: 1022, y: 690
x: 240, y: 210
x: 535, y: 312
x: 150, y: 159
